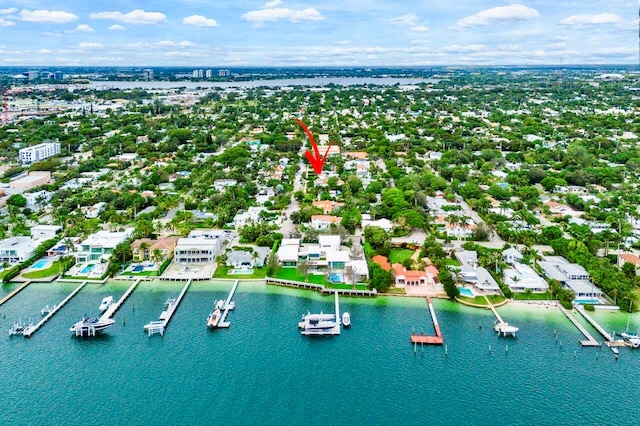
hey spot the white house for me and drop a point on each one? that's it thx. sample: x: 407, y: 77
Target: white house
x: 44, y: 232
x: 522, y: 277
x: 222, y: 184
x: 196, y: 250
x: 511, y: 256
x: 252, y: 215
x: 93, y: 211
x: 570, y: 275
x: 100, y: 245
x: 16, y: 249
x: 321, y: 222
x: 37, y: 200
x: 380, y: 223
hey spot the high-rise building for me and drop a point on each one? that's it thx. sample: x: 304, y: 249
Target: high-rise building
x: 198, y: 73
x: 39, y: 152
x: 208, y: 74
x: 147, y: 74
x: 59, y: 75
x: 223, y: 73
x: 31, y: 75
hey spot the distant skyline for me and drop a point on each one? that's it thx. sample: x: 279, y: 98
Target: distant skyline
x: 317, y: 32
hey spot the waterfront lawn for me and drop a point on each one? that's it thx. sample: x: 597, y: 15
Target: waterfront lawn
x: 533, y: 296
x: 395, y: 290
x: 348, y: 286
x: 398, y: 255
x: 480, y: 300
x: 43, y: 273
x: 222, y: 271
x: 293, y: 275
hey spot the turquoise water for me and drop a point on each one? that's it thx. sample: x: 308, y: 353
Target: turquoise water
x: 262, y: 371
x: 41, y: 264
x: 587, y: 301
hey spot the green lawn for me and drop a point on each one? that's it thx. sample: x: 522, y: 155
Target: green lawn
x: 480, y: 300
x: 222, y: 271
x: 348, y: 286
x: 451, y: 262
x: 532, y: 296
x: 293, y: 275
x: 396, y: 290
x: 398, y: 255
x: 43, y: 273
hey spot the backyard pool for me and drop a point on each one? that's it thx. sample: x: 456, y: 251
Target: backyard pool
x: 335, y: 278
x: 587, y: 301
x: 466, y: 292
x: 41, y: 264
x: 87, y: 269
x: 138, y: 268
x: 240, y: 271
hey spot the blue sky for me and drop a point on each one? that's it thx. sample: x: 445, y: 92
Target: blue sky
x: 318, y: 32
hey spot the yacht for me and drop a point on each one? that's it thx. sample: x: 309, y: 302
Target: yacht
x: 319, y: 324
x: 346, y: 319
x: 632, y: 339
x: 106, y: 302
x: 90, y: 326
x: 20, y: 327
x: 214, y: 317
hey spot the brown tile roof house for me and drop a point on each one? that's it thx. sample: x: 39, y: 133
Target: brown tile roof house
x: 165, y: 245
x: 327, y: 206
x: 629, y: 258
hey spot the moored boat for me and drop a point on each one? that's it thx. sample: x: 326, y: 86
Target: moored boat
x: 90, y: 326
x: 346, y: 319
x: 106, y: 302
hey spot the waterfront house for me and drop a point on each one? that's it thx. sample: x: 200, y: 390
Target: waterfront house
x: 100, y: 245
x: 16, y: 249
x: 144, y: 252
x: 201, y: 246
x: 522, y: 277
x: 570, y: 275
x: 256, y: 258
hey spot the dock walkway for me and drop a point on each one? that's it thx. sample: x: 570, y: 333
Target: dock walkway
x: 595, y: 325
x: 501, y: 327
x: 159, y: 326
x: 429, y: 340
x: 590, y: 340
x: 115, y: 306
x: 29, y: 331
x: 14, y: 292
x: 228, y: 306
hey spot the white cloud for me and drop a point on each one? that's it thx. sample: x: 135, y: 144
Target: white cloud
x: 200, y: 21
x: 411, y: 21
x: 116, y: 27
x: 513, y: 12
x: 84, y: 28
x: 45, y: 51
x: 168, y: 43
x: 137, y: 16
x: 8, y: 11
x: 273, y: 3
x: 599, y: 19
x: 468, y: 48
x: 49, y: 16
x: 282, y: 13
x: 5, y: 23
x: 90, y: 45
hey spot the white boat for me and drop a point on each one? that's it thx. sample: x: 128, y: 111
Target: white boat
x: 90, y: 326
x: 346, y: 319
x: 319, y: 324
x: 632, y: 339
x: 170, y: 305
x: 106, y: 302
x: 48, y: 309
x: 214, y: 318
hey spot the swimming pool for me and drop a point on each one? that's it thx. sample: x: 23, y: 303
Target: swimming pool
x: 240, y: 271
x: 87, y: 269
x: 138, y: 268
x: 335, y: 278
x: 41, y: 264
x: 466, y: 292
x: 587, y: 301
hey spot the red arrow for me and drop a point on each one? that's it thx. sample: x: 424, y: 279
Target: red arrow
x: 317, y: 162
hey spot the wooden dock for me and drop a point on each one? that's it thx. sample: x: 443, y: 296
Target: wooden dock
x: 115, y: 306
x: 14, y: 292
x: 501, y: 327
x: 321, y: 288
x: 425, y: 339
x: 159, y: 326
x: 595, y: 325
x: 590, y: 342
x: 228, y: 306
x: 29, y: 331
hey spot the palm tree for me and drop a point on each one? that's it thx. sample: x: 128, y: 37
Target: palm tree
x: 157, y: 256
x: 144, y: 247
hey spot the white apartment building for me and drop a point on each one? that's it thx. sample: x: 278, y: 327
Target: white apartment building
x: 16, y: 249
x: 39, y: 152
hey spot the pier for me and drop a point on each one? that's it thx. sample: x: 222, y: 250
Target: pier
x: 610, y: 341
x: 159, y: 326
x: 321, y: 288
x: 429, y: 340
x: 115, y: 306
x: 228, y: 306
x: 590, y: 340
x: 14, y: 292
x: 30, y: 330
x: 500, y: 326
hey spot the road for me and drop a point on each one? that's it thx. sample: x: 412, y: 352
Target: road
x: 288, y: 226
x: 494, y: 239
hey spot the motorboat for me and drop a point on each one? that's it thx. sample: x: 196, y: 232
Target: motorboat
x: 170, y: 305
x: 48, y: 309
x: 90, y: 326
x: 632, y: 339
x: 346, y: 319
x: 214, y: 317
x: 106, y: 302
